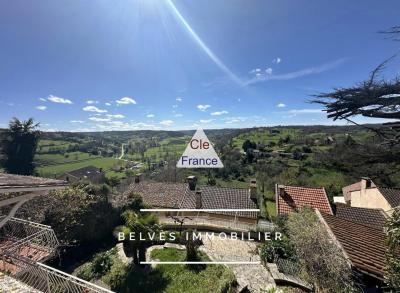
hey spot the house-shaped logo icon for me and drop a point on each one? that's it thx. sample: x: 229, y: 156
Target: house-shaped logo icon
x: 199, y: 153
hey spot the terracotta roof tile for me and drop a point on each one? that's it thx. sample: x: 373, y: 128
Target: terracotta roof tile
x: 374, y: 218
x: 292, y: 198
x: 364, y: 245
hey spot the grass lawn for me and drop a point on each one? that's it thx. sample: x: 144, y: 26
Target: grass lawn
x: 179, y: 278
x: 271, y: 208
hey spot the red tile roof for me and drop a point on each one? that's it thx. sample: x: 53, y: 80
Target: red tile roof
x: 293, y: 198
x: 364, y: 245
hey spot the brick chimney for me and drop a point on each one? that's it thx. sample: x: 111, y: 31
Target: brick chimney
x: 253, y: 189
x: 199, y: 201
x: 192, y: 181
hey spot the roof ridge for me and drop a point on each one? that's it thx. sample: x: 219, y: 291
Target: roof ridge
x: 391, y: 188
x: 223, y: 187
x: 305, y: 187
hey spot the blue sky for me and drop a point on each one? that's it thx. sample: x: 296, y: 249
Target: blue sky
x: 162, y: 64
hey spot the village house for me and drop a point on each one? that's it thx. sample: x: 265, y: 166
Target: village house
x: 90, y: 174
x: 189, y: 196
x: 25, y: 245
x: 365, y: 194
x: 293, y: 198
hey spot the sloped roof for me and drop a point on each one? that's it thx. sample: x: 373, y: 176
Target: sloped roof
x: 364, y: 245
x: 178, y: 195
x: 12, y: 181
x: 293, y: 198
x: 159, y: 194
x: 222, y: 198
x: 374, y: 218
x: 392, y: 195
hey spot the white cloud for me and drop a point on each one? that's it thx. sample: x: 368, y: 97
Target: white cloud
x: 116, y: 116
x: 90, y: 102
x: 43, y: 99
x: 107, y: 104
x: 203, y: 107
x: 219, y: 113
x: 268, y: 71
x: 296, y: 74
x: 55, y: 99
x: 93, y: 109
x: 150, y: 115
x: 125, y: 101
x: 41, y: 108
x: 205, y: 121
x: 167, y: 122
x: 174, y: 106
x: 97, y: 119
x: 255, y: 71
x: 233, y: 120
x: 277, y: 60
x: 179, y: 99
x: 77, y: 121
x: 281, y: 105
x: 178, y: 115
x: 120, y: 125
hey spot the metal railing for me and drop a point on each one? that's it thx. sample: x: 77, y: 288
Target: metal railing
x: 23, y: 244
x: 30, y: 239
x: 50, y: 280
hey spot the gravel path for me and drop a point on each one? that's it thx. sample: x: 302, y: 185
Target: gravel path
x: 254, y: 277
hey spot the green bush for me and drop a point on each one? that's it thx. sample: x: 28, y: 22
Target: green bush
x: 117, y: 275
x: 99, y: 266
x: 277, y: 248
x: 85, y: 272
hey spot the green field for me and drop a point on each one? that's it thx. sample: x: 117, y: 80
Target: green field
x: 100, y: 162
x: 54, y: 159
x: 46, y: 145
x: 264, y: 136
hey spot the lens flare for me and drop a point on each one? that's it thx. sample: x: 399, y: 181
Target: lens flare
x: 202, y: 45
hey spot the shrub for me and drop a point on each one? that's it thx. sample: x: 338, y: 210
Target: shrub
x: 100, y: 265
x: 117, y: 275
x: 277, y: 248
